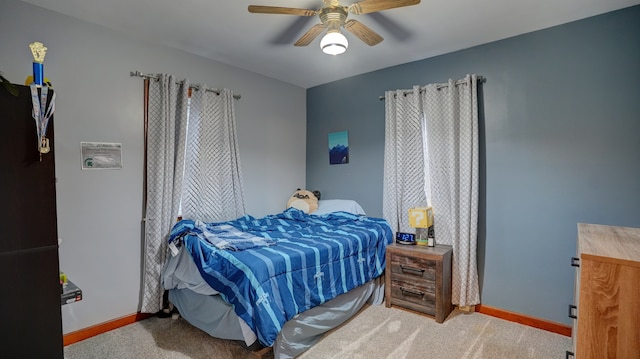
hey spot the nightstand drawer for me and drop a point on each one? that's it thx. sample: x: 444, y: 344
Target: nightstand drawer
x: 418, y: 268
x: 419, y: 296
x: 413, y: 285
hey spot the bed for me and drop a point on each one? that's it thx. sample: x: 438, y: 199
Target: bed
x: 279, y: 281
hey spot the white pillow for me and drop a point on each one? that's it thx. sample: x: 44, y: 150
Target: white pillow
x: 334, y: 205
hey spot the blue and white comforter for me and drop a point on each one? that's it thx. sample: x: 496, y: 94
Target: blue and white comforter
x: 303, y: 262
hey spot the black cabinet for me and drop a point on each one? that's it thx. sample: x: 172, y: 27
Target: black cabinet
x: 28, y: 235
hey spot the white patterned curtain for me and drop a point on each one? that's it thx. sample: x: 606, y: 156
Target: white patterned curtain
x: 404, y: 180
x: 451, y: 112
x: 213, y: 189
x: 450, y: 135
x: 166, y: 132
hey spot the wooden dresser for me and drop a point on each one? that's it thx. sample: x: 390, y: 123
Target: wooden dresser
x: 607, y: 293
x: 419, y: 278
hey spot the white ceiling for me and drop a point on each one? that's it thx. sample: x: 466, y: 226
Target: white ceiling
x: 226, y: 32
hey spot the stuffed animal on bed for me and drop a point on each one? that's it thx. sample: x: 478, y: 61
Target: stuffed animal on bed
x: 303, y: 200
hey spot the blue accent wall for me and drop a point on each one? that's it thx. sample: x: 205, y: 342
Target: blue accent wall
x: 560, y: 144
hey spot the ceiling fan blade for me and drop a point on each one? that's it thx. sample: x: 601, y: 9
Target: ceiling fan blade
x: 362, y: 32
x: 257, y: 9
x: 310, y: 35
x: 369, y: 6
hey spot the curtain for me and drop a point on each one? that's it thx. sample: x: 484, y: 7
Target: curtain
x: 451, y: 112
x: 213, y: 188
x: 431, y: 158
x: 404, y: 179
x: 167, y: 121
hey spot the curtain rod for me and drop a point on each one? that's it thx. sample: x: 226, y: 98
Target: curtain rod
x: 148, y: 76
x: 480, y: 79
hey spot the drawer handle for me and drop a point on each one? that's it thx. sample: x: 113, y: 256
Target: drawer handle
x: 412, y: 292
x: 412, y: 269
x: 575, y: 262
x: 572, y: 308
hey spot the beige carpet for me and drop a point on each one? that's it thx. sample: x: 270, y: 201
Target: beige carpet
x: 156, y: 338
x: 377, y: 332
x: 392, y: 333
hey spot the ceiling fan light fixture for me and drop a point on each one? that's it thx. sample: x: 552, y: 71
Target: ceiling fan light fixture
x: 334, y: 43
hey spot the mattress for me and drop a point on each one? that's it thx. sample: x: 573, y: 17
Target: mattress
x: 301, y: 262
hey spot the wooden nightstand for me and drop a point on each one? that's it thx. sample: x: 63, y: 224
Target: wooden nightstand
x: 419, y: 278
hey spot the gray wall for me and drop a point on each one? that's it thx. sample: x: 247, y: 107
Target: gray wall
x: 99, y: 212
x: 560, y: 127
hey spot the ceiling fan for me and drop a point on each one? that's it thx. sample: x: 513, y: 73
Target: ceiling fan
x: 333, y: 16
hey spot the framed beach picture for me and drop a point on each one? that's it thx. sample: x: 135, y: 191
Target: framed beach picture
x: 338, y: 148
